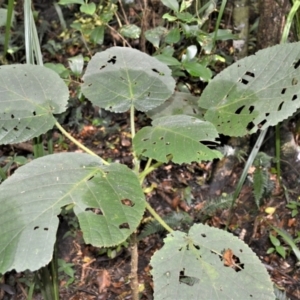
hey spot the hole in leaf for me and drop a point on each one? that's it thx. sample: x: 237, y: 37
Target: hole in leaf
x: 167, y: 143
x: 251, y: 109
x: 239, y: 110
x: 280, y: 106
x: 283, y: 91
x: 244, y: 81
x: 90, y: 84
x: 154, y: 143
x: 188, y: 280
x: 231, y: 260
x: 161, y: 138
x: 28, y: 128
x: 124, y: 225
x: 90, y: 178
x: 36, y: 227
x: 34, y: 113
x: 127, y: 202
x: 16, y: 128
x: 203, y: 235
x: 294, y: 97
x: 296, y: 64
x: 102, y: 67
x: 250, y: 74
x: 4, y: 129
x: 267, y: 114
x: 197, y: 247
x: 250, y: 126
x: 112, y: 60
x: 145, y: 140
x: 160, y: 73
x: 96, y: 211
x: 46, y: 228
x: 263, y: 122
x: 149, y: 94
x: 294, y: 81
x: 12, y: 116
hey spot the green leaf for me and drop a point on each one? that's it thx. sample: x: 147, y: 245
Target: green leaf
x: 131, y: 31
x: 108, y: 202
x: 197, y: 70
x: 76, y: 64
x: 97, y: 35
x: 3, y: 17
x: 118, y: 78
x: 255, y: 92
x: 172, y: 4
x: 173, y: 36
x: 274, y: 240
x: 169, y: 17
x: 168, y: 60
x: 67, y: 2
x: 185, y: 4
x: 191, y: 266
x: 155, y: 35
x: 281, y: 251
x: 224, y: 35
x: 28, y: 101
x: 60, y: 69
x: 178, y: 104
x: 88, y: 8
x: 179, y: 136
x: 186, y: 17
x: 289, y: 240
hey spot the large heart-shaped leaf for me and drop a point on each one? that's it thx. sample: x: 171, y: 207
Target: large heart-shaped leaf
x: 208, y: 263
x: 255, y: 92
x: 108, y: 202
x: 30, y: 95
x: 118, y: 78
x: 178, y: 136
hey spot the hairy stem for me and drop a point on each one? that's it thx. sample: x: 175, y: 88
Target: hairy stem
x: 87, y: 150
x: 134, y: 267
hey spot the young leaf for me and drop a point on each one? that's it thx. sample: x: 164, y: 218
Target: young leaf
x: 255, y: 92
x: 120, y: 77
x: 172, y: 4
x: 179, y: 136
x: 131, y: 31
x: 28, y: 101
x: 208, y: 263
x: 88, y: 8
x: 108, y: 202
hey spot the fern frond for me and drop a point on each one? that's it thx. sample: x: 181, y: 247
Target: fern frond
x: 219, y: 203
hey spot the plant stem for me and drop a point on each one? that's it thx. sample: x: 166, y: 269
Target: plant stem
x: 87, y: 150
x: 158, y: 218
x: 245, y: 171
x: 136, y: 161
x: 134, y: 267
x: 221, y: 11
